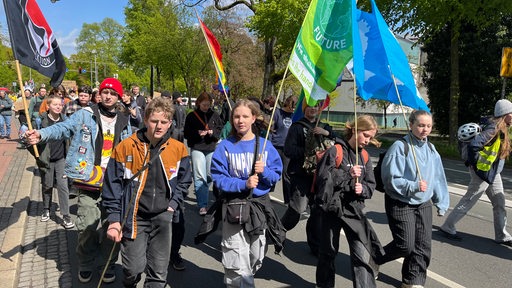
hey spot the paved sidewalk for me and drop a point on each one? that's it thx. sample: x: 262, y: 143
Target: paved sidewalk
x: 32, y: 253
x: 16, y: 167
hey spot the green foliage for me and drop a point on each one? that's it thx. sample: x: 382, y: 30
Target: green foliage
x: 281, y: 19
x: 479, y: 72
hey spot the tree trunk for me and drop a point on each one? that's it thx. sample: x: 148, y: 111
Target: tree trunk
x: 270, y: 67
x: 151, y: 83
x: 385, y: 116
x: 454, y: 84
x: 158, y: 78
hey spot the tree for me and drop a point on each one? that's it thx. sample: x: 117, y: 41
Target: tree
x: 479, y: 71
x: 241, y: 53
x: 277, y: 23
x: 426, y: 18
x: 99, y: 44
x: 281, y: 19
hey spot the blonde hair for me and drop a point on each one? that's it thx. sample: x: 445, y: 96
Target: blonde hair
x: 160, y: 104
x: 417, y: 113
x: 502, y: 129
x: 364, y: 123
x: 255, y: 111
x: 52, y: 97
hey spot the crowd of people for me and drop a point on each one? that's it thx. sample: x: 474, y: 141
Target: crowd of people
x: 132, y: 161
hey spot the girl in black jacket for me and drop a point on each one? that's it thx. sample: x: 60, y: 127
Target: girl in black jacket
x: 340, y: 192
x: 202, y: 131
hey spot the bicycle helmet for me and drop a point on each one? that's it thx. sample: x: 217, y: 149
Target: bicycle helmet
x: 468, y: 131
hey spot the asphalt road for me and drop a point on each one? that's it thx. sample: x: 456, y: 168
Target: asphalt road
x: 477, y: 261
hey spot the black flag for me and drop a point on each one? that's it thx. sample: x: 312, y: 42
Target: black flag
x: 32, y: 40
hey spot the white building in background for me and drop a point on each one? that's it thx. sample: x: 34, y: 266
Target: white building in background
x: 342, y: 106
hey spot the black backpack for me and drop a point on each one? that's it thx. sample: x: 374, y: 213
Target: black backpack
x: 313, y: 144
x: 379, y: 184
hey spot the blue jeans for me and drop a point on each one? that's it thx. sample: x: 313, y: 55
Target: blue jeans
x: 5, y: 120
x: 149, y: 252
x: 201, y: 163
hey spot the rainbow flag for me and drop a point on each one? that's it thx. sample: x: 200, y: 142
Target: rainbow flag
x: 214, y: 47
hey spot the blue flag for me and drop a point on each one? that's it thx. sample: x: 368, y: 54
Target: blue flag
x: 377, y: 58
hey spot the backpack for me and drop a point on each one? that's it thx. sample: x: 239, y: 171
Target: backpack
x: 313, y: 144
x: 379, y: 184
x: 338, y: 160
x: 465, y: 134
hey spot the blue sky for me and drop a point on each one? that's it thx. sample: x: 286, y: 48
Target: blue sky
x: 66, y: 17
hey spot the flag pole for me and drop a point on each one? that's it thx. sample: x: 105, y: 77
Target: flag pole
x: 355, y: 123
x: 25, y: 106
x: 274, y: 109
x: 405, y: 118
x: 213, y: 59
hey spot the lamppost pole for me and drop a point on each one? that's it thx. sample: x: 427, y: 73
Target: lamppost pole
x: 95, y: 71
x: 90, y: 69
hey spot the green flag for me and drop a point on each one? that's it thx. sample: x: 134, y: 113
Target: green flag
x: 323, y: 47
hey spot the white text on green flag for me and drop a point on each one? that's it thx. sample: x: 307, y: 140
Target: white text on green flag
x: 323, y: 47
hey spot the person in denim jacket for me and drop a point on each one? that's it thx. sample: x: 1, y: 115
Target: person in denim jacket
x: 94, y: 132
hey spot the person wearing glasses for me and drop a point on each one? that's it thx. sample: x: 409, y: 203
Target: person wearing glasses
x: 95, y: 131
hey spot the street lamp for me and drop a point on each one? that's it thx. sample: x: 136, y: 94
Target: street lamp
x: 95, y: 70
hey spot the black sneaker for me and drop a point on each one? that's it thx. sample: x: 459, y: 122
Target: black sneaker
x: 450, y: 236
x: 110, y: 276
x: 506, y: 243
x: 84, y: 276
x: 45, y: 216
x: 67, y: 223
x: 177, y: 263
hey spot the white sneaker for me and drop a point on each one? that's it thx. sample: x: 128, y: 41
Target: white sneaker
x: 67, y: 223
x: 45, y: 216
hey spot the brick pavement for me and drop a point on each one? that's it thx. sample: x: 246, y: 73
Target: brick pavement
x: 42, y: 258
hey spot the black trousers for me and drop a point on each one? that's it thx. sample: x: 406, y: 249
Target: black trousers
x: 285, y: 178
x: 411, y: 227
x: 299, y: 201
x: 363, y: 275
x: 178, y: 234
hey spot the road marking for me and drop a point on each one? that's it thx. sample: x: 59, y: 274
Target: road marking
x: 455, y: 170
x: 503, y: 178
x: 430, y: 274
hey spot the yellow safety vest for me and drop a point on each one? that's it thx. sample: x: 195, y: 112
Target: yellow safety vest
x: 488, y: 155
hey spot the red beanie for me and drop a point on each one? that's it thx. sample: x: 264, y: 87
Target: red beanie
x: 112, y: 83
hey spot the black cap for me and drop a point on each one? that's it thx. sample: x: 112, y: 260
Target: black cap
x: 176, y: 95
x: 166, y: 93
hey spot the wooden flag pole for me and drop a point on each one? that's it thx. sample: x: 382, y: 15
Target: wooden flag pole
x: 355, y: 124
x: 25, y: 106
x: 405, y: 118
x: 213, y: 58
x: 274, y: 110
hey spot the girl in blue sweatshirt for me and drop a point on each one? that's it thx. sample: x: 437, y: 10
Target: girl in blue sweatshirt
x: 411, y: 188
x: 232, y: 172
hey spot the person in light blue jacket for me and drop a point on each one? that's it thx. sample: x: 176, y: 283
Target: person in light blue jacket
x: 413, y: 181
x: 94, y: 132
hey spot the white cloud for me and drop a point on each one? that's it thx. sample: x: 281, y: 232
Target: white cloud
x: 67, y: 43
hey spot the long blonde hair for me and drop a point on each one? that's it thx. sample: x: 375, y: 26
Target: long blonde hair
x: 364, y: 123
x: 502, y: 131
